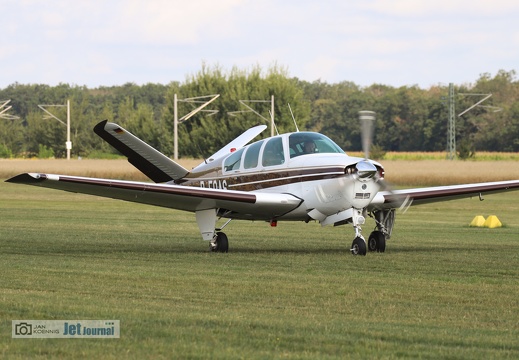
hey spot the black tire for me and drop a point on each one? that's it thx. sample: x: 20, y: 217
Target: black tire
x: 372, y: 242
x: 222, y: 243
x: 358, y: 247
x: 377, y: 241
x: 381, y: 243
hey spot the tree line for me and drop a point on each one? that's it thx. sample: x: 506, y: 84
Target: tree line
x: 408, y: 118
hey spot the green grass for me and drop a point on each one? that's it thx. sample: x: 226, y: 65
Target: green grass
x: 441, y: 290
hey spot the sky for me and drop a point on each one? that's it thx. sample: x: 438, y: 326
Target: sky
x: 391, y: 42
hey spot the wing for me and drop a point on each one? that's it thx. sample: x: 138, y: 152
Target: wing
x: 258, y: 206
x: 392, y: 199
x: 155, y: 165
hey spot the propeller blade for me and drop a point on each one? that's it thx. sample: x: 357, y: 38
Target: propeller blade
x: 367, y: 122
x: 397, y: 201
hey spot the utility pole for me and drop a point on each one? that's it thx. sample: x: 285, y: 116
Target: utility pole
x: 4, y: 108
x: 272, y: 115
x: 451, y: 129
x: 250, y: 109
x: 186, y: 117
x: 68, y: 144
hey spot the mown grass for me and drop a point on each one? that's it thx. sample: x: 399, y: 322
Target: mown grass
x: 441, y: 290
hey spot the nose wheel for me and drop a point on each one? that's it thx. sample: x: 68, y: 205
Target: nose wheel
x: 358, y: 247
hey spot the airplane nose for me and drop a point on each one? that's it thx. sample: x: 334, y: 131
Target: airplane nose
x: 366, y: 170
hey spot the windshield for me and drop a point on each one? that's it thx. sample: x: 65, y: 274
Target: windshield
x: 303, y: 143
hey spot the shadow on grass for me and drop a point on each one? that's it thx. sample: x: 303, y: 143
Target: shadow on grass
x: 169, y: 250
x: 176, y: 245
x: 201, y: 248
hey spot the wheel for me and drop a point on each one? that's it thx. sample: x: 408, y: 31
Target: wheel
x: 373, y: 242
x: 222, y: 243
x: 381, y: 243
x: 377, y: 241
x: 358, y: 247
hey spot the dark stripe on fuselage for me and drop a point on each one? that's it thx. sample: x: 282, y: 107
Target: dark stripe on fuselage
x: 266, y: 179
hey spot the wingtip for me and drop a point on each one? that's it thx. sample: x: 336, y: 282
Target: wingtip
x: 26, y: 178
x: 100, y: 126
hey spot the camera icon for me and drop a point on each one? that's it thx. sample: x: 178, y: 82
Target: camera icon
x: 23, y: 328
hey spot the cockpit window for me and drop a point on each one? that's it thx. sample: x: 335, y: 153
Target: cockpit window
x: 303, y: 143
x: 233, y: 162
x: 273, y: 152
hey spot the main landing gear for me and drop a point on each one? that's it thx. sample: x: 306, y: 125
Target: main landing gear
x: 220, y: 243
x: 206, y: 220
x: 377, y: 241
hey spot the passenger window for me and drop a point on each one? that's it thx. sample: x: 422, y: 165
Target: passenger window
x: 251, y: 156
x: 233, y: 161
x: 273, y: 152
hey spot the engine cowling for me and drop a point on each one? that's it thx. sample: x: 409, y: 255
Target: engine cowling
x: 365, y: 177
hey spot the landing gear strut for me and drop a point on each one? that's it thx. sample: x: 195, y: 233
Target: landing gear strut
x: 358, y: 247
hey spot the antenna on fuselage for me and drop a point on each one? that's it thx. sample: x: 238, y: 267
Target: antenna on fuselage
x: 293, y: 118
x: 202, y: 153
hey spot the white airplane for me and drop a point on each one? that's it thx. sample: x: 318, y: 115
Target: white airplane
x: 300, y: 176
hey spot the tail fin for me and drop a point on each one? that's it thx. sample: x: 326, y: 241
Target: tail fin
x: 152, y: 163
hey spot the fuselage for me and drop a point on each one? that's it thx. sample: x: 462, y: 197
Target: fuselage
x: 324, y: 177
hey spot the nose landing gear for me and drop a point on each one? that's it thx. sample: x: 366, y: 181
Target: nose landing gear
x: 377, y: 239
x: 358, y: 247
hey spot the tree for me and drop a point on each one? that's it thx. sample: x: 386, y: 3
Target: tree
x: 11, y: 137
x: 408, y: 118
x: 210, y: 133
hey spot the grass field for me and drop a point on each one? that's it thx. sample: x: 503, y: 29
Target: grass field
x: 441, y: 290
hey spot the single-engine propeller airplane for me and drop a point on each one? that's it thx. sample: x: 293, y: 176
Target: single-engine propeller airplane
x: 299, y: 176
